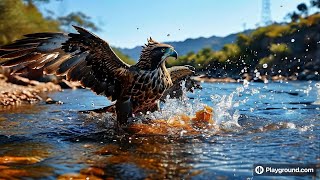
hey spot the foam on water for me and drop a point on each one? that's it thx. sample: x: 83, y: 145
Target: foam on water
x: 225, y: 113
x: 227, y: 107
x: 317, y: 102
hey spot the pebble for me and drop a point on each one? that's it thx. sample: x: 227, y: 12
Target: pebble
x: 12, y: 94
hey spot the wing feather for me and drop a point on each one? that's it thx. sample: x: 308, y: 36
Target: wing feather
x: 81, y: 56
x: 178, y: 73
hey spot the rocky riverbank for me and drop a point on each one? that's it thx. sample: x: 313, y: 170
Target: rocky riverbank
x: 30, y: 92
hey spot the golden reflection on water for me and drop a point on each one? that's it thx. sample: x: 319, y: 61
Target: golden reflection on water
x: 158, y: 157
x: 21, y: 159
x: 154, y: 149
x: 177, y: 125
x: 149, y: 149
x: 22, y: 109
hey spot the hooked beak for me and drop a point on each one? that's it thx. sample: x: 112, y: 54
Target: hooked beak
x: 170, y: 52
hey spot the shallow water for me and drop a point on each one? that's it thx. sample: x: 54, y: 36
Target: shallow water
x: 259, y: 123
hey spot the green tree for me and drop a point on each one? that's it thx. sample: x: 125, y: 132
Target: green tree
x: 280, y: 49
x: 294, y: 16
x: 19, y: 18
x: 303, y: 8
x: 76, y: 18
x: 315, y: 3
x: 23, y: 17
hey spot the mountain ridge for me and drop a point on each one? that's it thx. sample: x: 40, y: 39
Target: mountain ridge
x: 190, y: 44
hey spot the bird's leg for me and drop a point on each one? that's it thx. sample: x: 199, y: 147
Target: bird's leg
x: 124, y: 111
x: 155, y: 106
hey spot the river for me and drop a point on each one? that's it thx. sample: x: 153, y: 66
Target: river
x: 262, y: 123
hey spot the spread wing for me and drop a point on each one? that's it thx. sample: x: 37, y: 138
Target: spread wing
x: 179, y: 73
x: 80, y: 56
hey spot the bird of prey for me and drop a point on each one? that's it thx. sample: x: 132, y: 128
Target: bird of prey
x: 177, y: 74
x: 84, y: 57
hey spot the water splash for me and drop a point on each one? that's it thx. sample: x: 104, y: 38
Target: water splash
x: 225, y: 110
x: 317, y: 102
x: 173, y: 107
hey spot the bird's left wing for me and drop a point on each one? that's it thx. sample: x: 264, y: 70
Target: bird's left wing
x: 178, y: 73
x: 80, y: 56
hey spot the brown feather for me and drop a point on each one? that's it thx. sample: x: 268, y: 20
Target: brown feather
x: 23, y: 59
x: 84, y: 57
x: 11, y: 47
x: 19, y: 53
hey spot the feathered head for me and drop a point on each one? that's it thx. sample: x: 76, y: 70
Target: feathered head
x: 154, y: 54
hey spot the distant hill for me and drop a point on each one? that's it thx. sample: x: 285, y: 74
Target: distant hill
x: 279, y: 51
x: 189, y: 45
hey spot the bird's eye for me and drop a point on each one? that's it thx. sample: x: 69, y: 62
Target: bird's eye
x: 163, y: 50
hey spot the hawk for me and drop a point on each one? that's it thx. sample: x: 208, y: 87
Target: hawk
x: 177, y: 74
x: 84, y: 57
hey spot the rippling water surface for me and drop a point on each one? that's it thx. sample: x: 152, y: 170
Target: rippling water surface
x: 259, y: 123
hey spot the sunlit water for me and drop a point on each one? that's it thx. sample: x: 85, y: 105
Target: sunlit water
x: 259, y: 123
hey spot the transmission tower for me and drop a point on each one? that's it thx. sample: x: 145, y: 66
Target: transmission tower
x: 266, y: 13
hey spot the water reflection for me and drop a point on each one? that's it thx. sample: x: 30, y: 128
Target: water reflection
x: 22, y: 109
x: 25, y: 159
x: 278, y: 124
x: 134, y: 157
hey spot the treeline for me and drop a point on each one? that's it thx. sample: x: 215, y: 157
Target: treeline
x: 289, y: 50
x: 19, y: 17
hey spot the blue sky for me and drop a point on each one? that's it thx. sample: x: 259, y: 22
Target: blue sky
x: 181, y: 19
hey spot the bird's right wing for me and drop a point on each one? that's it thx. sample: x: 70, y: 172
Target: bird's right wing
x: 80, y: 56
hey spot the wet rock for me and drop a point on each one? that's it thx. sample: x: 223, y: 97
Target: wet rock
x: 51, y: 101
x: 279, y: 78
